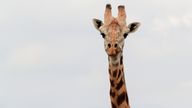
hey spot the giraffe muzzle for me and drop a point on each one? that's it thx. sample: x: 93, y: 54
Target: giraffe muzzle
x: 112, y: 52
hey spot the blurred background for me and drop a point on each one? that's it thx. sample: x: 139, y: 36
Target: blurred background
x: 51, y: 56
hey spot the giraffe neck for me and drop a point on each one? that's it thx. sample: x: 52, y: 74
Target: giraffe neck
x: 118, y: 92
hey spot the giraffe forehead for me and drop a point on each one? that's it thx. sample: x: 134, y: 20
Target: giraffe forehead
x: 114, y: 26
x: 114, y: 31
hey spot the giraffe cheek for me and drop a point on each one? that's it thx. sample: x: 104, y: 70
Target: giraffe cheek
x: 119, y: 50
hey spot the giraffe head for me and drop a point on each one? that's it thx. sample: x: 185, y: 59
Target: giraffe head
x: 114, y: 30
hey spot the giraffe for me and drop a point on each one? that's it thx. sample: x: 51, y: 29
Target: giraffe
x: 114, y: 31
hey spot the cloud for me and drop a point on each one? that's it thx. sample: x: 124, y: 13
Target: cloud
x: 168, y: 36
x: 172, y: 21
x: 47, y: 52
x: 181, y: 95
x: 186, y: 84
x: 179, y: 21
x: 26, y: 54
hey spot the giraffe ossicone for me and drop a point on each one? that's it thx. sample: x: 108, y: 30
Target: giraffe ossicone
x: 114, y: 31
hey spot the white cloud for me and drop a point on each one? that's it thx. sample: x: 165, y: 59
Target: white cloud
x: 159, y: 24
x: 49, y: 52
x: 169, y: 35
x: 187, y: 19
x: 181, y: 21
x: 175, y: 21
x: 172, y: 21
x: 181, y: 95
x: 26, y: 54
x: 187, y: 84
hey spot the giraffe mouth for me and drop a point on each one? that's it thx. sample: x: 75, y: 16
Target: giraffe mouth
x: 113, y: 54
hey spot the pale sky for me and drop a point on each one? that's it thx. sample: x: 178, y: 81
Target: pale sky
x: 51, y: 56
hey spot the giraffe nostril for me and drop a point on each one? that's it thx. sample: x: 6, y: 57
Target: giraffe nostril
x: 115, y: 45
x: 109, y: 45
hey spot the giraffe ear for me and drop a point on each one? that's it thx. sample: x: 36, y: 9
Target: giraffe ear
x: 97, y: 23
x: 133, y: 27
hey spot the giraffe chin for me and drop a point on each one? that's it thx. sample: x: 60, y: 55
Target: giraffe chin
x: 112, y: 55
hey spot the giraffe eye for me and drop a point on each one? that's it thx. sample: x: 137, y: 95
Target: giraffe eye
x: 125, y: 35
x: 103, y: 35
